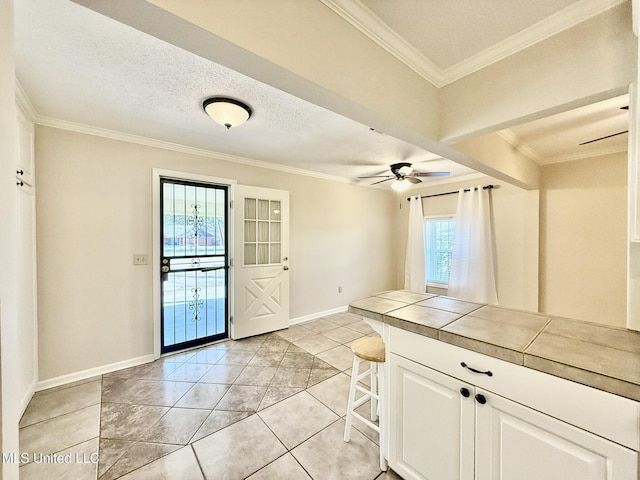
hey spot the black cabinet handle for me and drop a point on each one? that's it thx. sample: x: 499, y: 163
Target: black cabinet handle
x: 20, y: 183
x: 20, y: 172
x: 488, y: 373
x: 481, y: 399
x: 465, y: 392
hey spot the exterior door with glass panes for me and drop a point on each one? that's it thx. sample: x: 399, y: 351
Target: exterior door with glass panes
x: 261, y: 266
x: 194, y: 263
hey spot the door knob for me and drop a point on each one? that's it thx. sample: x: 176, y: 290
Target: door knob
x: 285, y: 268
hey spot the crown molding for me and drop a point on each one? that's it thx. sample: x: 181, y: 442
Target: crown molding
x: 359, y: 16
x: 511, y: 138
x: 362, y: 18
x: 524, y: 148
x: 600, y: 152
x: 22, y: 99
x: 550, y: 26
x: 201, y: 152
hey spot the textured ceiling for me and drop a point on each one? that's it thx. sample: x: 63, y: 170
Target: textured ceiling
x: 78, y: 66
x: 581, y: 133
x: 82, y: 67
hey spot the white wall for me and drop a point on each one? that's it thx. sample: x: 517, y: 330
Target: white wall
x: 592, y: 61
x: 9, y: 390
x: 579, y: 216
x: 583, y: 229
x: 515, y: 214
x: 94, y: 211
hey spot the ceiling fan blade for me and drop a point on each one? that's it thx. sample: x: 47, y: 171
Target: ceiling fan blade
x: 431, y: 174
x: 413, y: 179
x: 602, y: 138
x: 385, y: 180
x: 378, y: 176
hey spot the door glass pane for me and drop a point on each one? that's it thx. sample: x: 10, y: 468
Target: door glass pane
x: 263, y: 209
x: 275, y: 253
x: 250, y: 254
x: 250, y: 208
x: 275, y: 232
x: 250, y: 231
x: 193, y: 306
x: 194, y: 287
x: 264, y: 229
x: 263, y: 253
x: 275, y: 210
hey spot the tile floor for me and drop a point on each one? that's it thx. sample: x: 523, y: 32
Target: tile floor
x: 268, y: 407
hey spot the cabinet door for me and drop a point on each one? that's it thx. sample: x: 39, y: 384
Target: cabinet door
x: 25, y: 161
x: 516, y: 443
x: 431, y: 424
x: 27, y: 332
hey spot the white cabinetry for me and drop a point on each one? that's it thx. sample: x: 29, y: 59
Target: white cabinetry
x: 432, y: 424
x: 445, y: 427
x: 27, y: 326
x: 516, y: 442
x: 25, y: 159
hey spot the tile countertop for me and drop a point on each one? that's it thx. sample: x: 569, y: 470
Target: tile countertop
x: 602, y: 357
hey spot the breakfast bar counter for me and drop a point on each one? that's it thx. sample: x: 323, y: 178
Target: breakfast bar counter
x: 478, y: 392
x: 595, y: 355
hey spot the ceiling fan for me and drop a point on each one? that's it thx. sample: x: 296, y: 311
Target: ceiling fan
x: 626, y: 107
x: 404, y: 175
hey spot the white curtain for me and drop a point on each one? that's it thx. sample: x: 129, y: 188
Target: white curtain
x: 472, y: 275
x: 414, y: 278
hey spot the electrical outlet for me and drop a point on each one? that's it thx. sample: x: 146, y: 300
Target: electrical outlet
x: 339, y: 288
x: 140, y: 259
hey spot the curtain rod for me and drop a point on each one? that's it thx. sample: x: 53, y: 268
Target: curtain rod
x: 486, y: 187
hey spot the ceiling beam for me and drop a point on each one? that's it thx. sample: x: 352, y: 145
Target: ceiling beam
x: 346, y: 72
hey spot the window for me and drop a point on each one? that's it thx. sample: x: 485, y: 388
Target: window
x: 438, y: 243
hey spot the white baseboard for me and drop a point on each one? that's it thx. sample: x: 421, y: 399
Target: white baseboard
x: 313, y: 316
x: 92, y: 372
x: 24, y: 402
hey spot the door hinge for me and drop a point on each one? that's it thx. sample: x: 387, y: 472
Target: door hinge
x: 231, y: 319
x: 231, y: 262
x: 231, y: 204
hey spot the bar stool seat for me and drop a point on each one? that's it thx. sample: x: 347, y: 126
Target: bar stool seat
x: 372, y: 350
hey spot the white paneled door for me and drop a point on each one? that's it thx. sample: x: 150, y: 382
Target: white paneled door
x: 261, y: 264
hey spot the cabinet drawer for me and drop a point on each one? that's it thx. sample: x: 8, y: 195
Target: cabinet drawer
x: 610, y: 416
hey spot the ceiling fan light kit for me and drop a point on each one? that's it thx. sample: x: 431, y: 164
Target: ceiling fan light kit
x: 405, y: 170
x: 400, y: 185
x: 404, y: 175
x: 228, y: 112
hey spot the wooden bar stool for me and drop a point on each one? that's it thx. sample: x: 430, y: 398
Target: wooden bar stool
x: 369, y: 349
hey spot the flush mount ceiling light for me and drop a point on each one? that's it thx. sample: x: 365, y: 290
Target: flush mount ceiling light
x: 228, y: 112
